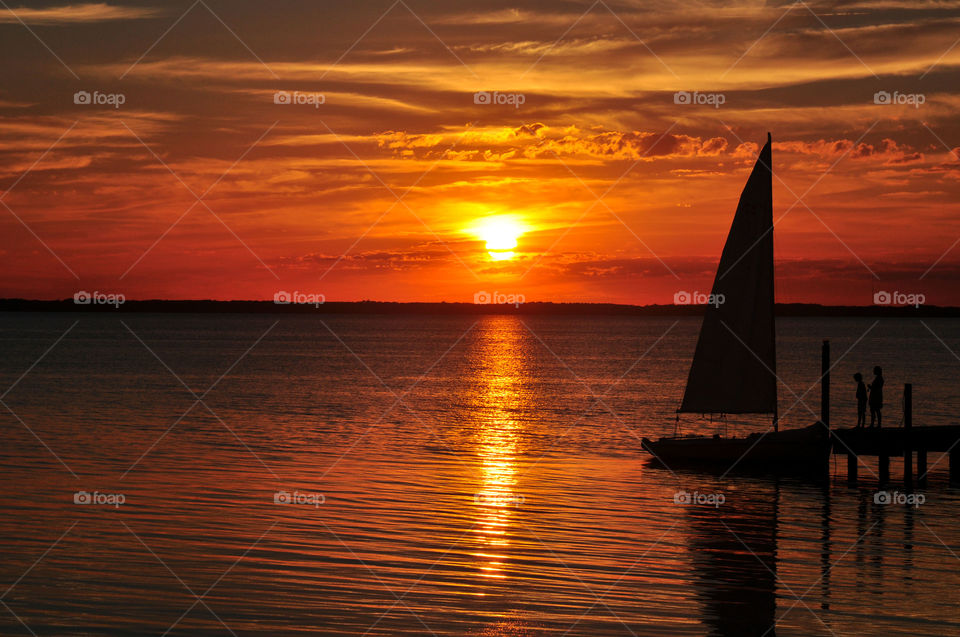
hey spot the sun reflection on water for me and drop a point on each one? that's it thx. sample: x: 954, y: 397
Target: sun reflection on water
x: 501, y: 377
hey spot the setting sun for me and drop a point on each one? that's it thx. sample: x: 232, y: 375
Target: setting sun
x: 500, y: 233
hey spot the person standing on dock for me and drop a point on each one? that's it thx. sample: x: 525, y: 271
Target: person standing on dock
x: 861, y: 400
x: 876, y: 396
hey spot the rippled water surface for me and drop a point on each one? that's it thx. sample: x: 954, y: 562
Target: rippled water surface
x: 341, y: 474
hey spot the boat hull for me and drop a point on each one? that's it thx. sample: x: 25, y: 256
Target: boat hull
x: 804, y: 450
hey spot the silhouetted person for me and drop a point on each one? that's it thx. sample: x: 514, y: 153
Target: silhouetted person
x: 876, y: 396
x: 861, y: 400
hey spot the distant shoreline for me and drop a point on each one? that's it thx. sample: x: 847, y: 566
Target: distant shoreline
x: 415, y: 308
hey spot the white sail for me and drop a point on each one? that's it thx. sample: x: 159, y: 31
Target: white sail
x: 734, y: 366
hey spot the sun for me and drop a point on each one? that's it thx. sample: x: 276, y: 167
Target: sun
x: 500, y: 232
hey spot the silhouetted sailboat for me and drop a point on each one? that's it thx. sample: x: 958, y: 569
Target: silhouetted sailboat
x: 734, y: 365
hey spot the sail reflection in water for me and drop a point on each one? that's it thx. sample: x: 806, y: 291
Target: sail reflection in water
x: 735, y: 558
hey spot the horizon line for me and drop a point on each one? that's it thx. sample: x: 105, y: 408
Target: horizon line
x: 108, y: 302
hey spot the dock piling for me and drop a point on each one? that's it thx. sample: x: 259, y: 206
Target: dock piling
x: 908, y: 438
x: 852, y: 468
x: 825, y: 384
x: 884, y: 466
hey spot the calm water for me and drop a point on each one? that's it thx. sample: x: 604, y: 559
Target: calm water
x: 445, y: 476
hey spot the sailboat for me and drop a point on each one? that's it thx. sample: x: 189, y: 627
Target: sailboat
x: 734, y: 364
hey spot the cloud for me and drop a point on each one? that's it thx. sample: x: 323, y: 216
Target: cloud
x: 414, y: 257
x: 539, y: 141
x: 77, y: 13
x: 888, y: 150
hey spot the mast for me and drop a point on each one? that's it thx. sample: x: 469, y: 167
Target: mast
x: 773, y: 304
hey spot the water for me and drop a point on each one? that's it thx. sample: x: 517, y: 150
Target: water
x: 447, y: 476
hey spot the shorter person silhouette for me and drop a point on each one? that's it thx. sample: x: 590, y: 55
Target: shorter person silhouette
x: 876, y: 397
x: 861, y: 400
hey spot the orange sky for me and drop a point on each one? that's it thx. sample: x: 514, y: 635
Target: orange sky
x: 621, y: 193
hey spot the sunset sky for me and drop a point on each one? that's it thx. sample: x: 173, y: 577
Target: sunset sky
x: 390, y: 188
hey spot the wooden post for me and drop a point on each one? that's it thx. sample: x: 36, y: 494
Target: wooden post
x: 884, y: 466
x: 908, y: 435
x: 852, y: 468
x: 825, y: 384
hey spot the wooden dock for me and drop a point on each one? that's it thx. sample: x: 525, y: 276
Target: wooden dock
x: 899, y: 442
x: 889, y: 442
